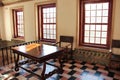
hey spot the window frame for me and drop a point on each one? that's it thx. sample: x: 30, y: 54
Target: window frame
x: 82, y: 23
x: 40, y: 21
x: 15, y: 28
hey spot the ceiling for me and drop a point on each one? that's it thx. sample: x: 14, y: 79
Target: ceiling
x: 7, y: 2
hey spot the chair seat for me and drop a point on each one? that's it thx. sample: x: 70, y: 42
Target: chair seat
x: 115, y: 57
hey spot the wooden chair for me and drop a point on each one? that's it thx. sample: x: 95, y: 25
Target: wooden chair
x: 115, y: 55
x: 66, y: 42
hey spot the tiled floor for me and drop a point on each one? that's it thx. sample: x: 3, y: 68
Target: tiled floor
x: 73, y: 70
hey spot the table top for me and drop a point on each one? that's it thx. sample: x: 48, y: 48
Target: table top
x: 36, y: 50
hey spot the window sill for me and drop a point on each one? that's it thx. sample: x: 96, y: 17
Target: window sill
x: 18, y: 38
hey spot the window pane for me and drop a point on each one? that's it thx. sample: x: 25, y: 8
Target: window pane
x: 87, y: 27
x: 93, y: 6
x: 104, y: 28
x: 92, y: 19
x: 97, y: 40
x: 99, y: 12
x: 87, y: 6
x: 103, y: 41
x: 86, y: 39
x: 95, y: 22
x: 87, y: 13
x: 92, y: 27
x: 98, y: 27
x: 104, y: 19
x: 93, y: 13
x: 98, y: 34
x: 105, y: 12
x: 49, y: 22
x: 104, y: 34
x: 87, y: 20
x: 86, y: 33
x: 91, y: 40
x: 19, y: 23
x: 98, y: 19
x: 105, y: 5
x: 99, y: 6
x: 92, y: 33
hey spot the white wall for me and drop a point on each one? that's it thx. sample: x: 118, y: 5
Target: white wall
x: 2, y: 33
x: 116, y: 20
x: 67, y: 19
x: 29, y: 25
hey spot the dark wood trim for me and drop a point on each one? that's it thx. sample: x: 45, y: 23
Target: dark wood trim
x: 38, y: 8
x: 82, y: 20
x: 40, y: 21
x: 15, y: 28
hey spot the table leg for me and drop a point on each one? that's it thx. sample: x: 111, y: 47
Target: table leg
x: 16, y: 63
x: 61, y: 64
x: 43, y: 72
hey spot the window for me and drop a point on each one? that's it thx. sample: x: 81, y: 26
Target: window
x: 95, y: 25
x: 47, y: 22
x: 18, y: 23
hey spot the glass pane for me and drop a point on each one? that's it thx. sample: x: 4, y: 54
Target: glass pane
x: 104, y: 19
x: 98, y: 27
x: 87, y: 13
x: 98, y: 19
x: 93, y: 6
x: 51, y: 9
x: 93, y: 13
x: 103, y: 41
x: 104, y: 34
x: 105, y: 5
x: 44, y: 20
x: 55, y: 32
x: 87, y: 27
x: 44, y: 16
x: 48, y: 15
x: 44, y: 26
x: 98, y: 34
x: 54, y: 15
x: 99, y: 6
x: 104, y: 28
x: 47, y: 10
x: 54, y: 9
x: 86, y: 39
x: 51, y: 31
x: 44, y: 36
x: 44, y: 10
x: 87, y: 6
x: 92, y: 27
x: 99, y: 12
x: 51, y: 20
x: 51, y: 15
x: 44, y: 31
x: 105, y: 12
x: 92, y: 40
x: 47, y: 20
x: 47, y: 26
x: 97, y: 40
x: 87, y: 20
x: 86, y: 33
x: 92, y: 33
x: 92, y: 19
x: 54, y: 20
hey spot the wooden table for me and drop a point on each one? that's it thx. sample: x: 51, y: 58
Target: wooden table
x: 40, y: 53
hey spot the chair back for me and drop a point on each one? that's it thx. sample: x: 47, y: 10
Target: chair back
x: 67, y: 39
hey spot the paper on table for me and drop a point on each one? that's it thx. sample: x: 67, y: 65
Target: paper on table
x: 31, y: 46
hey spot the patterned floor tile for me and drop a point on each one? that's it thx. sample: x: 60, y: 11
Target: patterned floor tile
x: 73, y: 70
